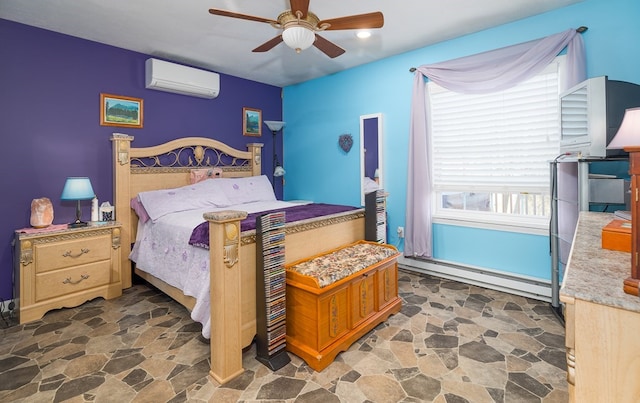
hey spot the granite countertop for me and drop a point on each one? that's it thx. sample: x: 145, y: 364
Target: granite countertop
x: 594, y: 274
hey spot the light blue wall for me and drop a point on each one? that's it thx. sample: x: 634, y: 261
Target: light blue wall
x: 318, y: 111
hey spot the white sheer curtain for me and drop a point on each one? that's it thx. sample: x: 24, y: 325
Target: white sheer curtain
x: 485, y: 72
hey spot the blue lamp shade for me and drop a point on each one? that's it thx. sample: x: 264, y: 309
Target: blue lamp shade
x: 77, y: 188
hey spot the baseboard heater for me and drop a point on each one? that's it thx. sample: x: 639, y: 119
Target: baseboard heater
x: 519, y: 285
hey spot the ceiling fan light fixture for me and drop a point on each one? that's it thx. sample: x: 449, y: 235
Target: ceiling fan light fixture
x: 298, y: 38
x: 363, y: 34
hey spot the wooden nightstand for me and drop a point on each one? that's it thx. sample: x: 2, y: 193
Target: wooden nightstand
x: 65, y: 268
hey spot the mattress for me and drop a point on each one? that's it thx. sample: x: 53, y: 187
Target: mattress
x: 162, y: 249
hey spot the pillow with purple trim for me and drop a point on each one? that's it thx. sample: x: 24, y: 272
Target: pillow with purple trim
x: 137, y: 206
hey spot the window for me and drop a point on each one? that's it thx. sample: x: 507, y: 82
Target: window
x: 491, y: 152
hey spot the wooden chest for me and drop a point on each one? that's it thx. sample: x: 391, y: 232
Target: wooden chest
x: 335, y: 298
x: 617, y: 236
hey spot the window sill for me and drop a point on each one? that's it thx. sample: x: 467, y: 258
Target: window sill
x: 534, y: 227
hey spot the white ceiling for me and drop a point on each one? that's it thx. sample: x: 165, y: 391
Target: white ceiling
x: 184, y: 31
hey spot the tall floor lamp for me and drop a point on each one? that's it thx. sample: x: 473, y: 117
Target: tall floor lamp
x: 275, y: 126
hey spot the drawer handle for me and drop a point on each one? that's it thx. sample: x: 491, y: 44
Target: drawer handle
x: 82, y: 277
x: 69, y: 254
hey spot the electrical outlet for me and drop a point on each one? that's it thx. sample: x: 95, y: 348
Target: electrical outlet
x: 400, y: 232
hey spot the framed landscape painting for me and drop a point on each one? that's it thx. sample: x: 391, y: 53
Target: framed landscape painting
x: 116, y: 110
x: 252, y: 122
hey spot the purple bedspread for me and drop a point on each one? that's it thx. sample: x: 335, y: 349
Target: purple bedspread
x: 200, y: 234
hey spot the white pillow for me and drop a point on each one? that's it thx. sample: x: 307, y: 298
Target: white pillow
x: 159, y: 203
x: 246, y: 190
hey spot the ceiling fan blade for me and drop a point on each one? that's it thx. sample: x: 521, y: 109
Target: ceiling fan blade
x: 270, y: 44
x: 300, y: 5
x: 328, y: 48
x: 360, y: 21
x: 226, y: 13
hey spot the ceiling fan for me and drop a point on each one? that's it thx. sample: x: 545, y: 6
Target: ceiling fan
x: 299, y: 27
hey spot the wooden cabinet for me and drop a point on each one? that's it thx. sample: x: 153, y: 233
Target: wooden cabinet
x: 64, y: 268
x: 603, y: 353
x: 602, y: 321
x: 323, y: 321
x: 631, y: 284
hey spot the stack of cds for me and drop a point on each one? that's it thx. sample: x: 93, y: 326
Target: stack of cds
x: 272, y: 327
x: 381, y: 217
x: 376, y: 216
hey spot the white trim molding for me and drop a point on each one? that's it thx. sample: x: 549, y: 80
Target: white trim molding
x: 530, y: 287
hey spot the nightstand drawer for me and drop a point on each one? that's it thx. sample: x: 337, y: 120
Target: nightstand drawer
x: 53, y: 256
x: 67, y: 281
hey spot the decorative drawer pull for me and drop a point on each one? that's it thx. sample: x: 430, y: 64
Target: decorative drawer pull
x: 363, y: 299
x: 82, y: 277
x: 69, y: 254
x: 333, y: 317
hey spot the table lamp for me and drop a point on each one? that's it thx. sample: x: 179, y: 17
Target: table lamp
x: 628, y: 138
x: 77, y: 189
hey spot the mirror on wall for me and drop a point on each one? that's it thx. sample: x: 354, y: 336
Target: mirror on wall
x: 371, y: 172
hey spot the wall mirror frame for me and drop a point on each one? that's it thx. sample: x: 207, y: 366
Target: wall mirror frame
x: 371, y: 152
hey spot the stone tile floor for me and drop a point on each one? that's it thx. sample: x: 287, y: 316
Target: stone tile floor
x: 451, y: 343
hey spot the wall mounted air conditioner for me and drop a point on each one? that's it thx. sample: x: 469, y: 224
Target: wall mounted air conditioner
x: 179, y: 79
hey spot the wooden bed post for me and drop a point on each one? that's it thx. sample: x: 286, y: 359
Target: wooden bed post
x: 122, y: 188
x: 225, y: 294
x: 256, y: 156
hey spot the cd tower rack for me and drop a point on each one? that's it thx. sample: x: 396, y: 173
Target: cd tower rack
x: 271, y: 291
x: 375, y: 220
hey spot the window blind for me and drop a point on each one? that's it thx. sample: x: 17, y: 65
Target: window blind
x: 501, y: 141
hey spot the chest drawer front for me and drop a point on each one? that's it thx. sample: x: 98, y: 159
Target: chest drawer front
x: 72, y: 252
x: 333, y: 317
x: 68, y: 281
x: 387, y: 279
x: 362, y: 299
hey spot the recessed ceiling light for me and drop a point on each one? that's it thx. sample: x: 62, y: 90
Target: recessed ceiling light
x: 363, y: 34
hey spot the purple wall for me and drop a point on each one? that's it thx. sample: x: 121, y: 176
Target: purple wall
x: 50, y: 87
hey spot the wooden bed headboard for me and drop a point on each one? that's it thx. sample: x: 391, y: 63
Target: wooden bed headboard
x: 167, y: 166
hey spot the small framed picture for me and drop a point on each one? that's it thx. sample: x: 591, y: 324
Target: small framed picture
x: 116, y: 110
x: 251, y: 122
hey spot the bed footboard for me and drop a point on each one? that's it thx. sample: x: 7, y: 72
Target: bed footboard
x: 225, y: 294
